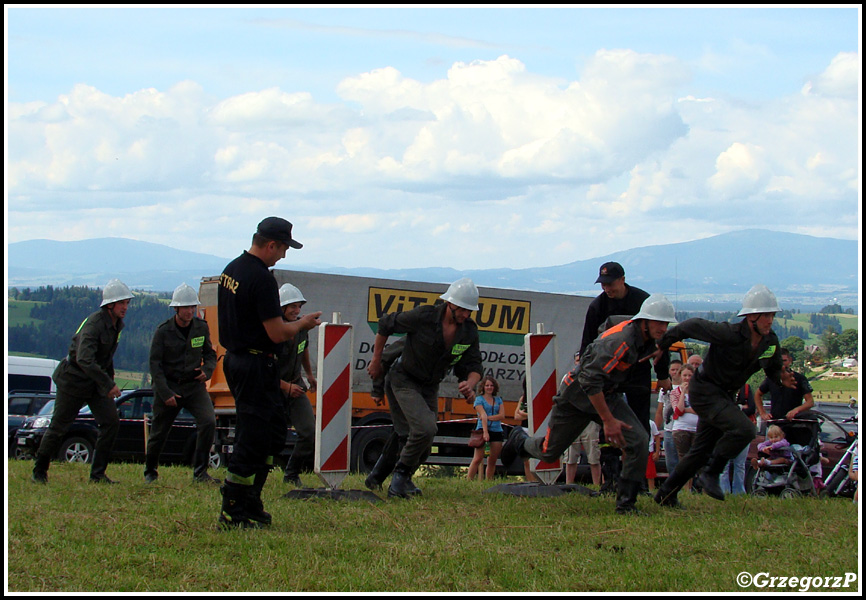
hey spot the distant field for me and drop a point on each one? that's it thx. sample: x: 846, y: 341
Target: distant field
x: 19, y: 312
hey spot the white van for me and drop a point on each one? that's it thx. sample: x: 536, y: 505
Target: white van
x: 30, y: 374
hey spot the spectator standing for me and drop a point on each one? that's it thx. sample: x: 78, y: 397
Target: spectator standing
x: 491, y: 411
x: 86, y: 376
x: 182, y: 359
x: 685, y: 419
x: 664, y: 417
x: 654, y: 444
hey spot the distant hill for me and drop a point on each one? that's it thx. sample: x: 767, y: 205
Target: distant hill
x: 804, y: 271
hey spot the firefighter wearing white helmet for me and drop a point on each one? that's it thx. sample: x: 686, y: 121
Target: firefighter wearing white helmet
x: 292, y: 356
x: 115, y: 291
x: 438, y: 338
x: 736, y: 352
x: 591, y: 393
x: 184, y: 295
x: 182, y: 359
x: 86, y: 376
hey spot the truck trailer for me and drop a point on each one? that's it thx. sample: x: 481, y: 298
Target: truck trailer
x: 504, y: 317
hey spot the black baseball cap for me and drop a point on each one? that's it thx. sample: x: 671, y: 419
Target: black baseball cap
x: 609, y: 272
x: 278, y: 230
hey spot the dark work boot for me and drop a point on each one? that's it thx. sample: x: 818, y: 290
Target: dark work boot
x: 710, y: 485
x: 401, y: 483
x: 255, y: 508
x: 626, y: 497
x: 40, y: 469
x: 233, y: 514
x: 667, y: 493
x: 513, y: 446
x: 384, y: 465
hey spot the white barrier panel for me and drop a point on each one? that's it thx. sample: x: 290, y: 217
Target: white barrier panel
x: 333, y: 403
x: 541, y: 387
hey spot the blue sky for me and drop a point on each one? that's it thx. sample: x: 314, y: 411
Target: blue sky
x: 400, y: 137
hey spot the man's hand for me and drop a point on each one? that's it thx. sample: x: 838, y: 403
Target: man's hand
x: 466, y: 389
x: 312, y: 381
x: 114, y: 392
x: 200, y: 377
x: 374, y: 369
x: 310, y: 321
x: 171, y: 401
x: 665, y: 384
x: 613, y: 431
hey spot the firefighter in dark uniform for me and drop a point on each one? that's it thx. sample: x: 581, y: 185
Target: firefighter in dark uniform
x: 619, y: 298
x: 737, y: 351
x: 86, y: 376
x: 381, y: 390
x: 293, y: 355
x: 182, y: 359
x: 590, y: 393
x: 437, y: 338
x: 251, y: 328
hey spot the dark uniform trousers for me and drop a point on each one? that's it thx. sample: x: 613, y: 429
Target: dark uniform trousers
x: 723, y: 431
x: 572, y: 412
x: 260, y: 432
x: 300, y: 414
x: 414, y: 412
x: 66, y: 407
x: 197, y: 401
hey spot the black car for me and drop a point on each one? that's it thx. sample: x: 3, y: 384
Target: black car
x: 23, y: 404
x: 79, y: 442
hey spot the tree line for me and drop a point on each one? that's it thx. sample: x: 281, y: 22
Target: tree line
x: 61, y: 311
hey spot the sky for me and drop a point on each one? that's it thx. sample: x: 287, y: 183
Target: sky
x: 456, y: 137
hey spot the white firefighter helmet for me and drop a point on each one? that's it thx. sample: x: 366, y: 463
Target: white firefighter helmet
x: 758, y: 300
x: 184, y: 295
x: 289, y: 294
x: 657, y: 308
x: 462, y: 293
x: 115, y: 291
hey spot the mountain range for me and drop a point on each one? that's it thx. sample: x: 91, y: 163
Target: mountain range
x: 803, y: 271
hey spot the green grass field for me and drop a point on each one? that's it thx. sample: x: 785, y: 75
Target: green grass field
x: 72, y: 536
x: 19, y: 312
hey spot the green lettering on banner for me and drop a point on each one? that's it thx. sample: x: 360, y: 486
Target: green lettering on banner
x: 197, y: 342
x: 768, y: 353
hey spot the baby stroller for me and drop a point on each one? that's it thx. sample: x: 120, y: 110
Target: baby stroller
x: 793, y: 479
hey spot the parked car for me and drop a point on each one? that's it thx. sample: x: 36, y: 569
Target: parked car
x: 834, y: 439
x: 79, y: 442
x: 23, y: 404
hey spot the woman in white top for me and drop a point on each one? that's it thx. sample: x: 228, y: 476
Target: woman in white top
x: 685, y: 418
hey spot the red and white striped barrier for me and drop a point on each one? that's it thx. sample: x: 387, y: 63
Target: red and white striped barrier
x: 541, y: 386
x: 333, y: 402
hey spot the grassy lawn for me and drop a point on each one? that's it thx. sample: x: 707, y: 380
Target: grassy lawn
x: 71, y: 536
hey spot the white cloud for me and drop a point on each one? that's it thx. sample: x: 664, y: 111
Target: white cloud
x: 489, y: 156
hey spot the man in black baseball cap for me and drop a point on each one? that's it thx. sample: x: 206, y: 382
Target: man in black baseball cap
x: 278, y: 230
x: 610, y: 272
x: 620, y: 299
